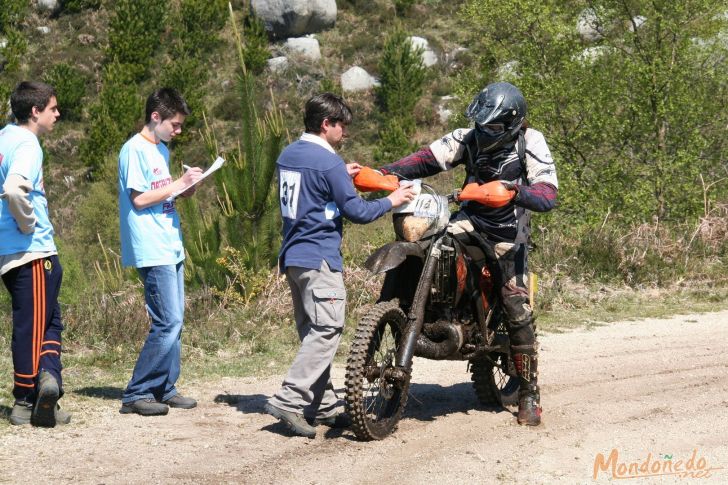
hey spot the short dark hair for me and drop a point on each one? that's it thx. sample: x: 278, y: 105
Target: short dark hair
x: 325, y: 106
x: 29, y: 94
x: 167, y: 102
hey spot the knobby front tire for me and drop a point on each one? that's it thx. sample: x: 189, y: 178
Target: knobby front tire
x: 374, y: 401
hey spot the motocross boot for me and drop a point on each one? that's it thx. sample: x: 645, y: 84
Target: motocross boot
x: 525, y: 359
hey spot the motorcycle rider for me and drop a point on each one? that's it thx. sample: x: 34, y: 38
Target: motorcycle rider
x: 499, y: 147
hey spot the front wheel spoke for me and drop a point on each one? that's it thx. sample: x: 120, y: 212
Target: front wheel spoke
x: 380, y: 408
x: 372, y: 403
x: 500, y: 378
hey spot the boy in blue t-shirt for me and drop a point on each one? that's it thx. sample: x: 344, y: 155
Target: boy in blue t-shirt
x: 28, y: 259
x: 151, y: 241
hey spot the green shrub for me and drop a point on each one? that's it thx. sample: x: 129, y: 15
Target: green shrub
x: 255, y: 44
x: 11, y: 13
x: 195, y: 33
x: 70, y: 85
x: 135, y: 29
x: 250, y: 220
x: 75, y: 6
x: 5, y: 91
x: 402, y: 7
x: 97, y: 225
x: 228, y: 108
x: 394, y: 141
x: 187, y: 75
x: 329, y: 85
x: 199, y: 24
x: 13, y: 51
x: 113, y: 117
x: 402, y: 75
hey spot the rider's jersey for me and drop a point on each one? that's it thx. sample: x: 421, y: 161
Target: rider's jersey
x: 506, y: 223
x: 534, y: 175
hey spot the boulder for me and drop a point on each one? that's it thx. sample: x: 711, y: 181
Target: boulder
x: 357, y: 79
x: 306, y: 47
x: 637, y: 22
x: 429, y: 58
x: 44, y: 29
x: 589, y: 25
x: 278, y: 64
x: 49, y: 6
x: 294, y: 18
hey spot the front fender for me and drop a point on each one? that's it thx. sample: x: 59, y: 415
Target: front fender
x: 392, y: 255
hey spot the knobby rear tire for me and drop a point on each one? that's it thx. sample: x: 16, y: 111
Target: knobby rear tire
x: 492, y: 385
x: 374, y: 403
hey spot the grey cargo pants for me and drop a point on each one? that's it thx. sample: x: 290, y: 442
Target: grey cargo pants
x: 319, y: 302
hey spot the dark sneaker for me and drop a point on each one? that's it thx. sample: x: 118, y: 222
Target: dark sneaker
x: 338, y: 420
x: 295, y: 422
x: 20, y: 415
x: 144, y: 407
x: 180, y: 402
x: 44, y: 410
x: 22, y: 411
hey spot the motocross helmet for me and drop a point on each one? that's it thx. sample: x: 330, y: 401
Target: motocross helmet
x: 498, y: 112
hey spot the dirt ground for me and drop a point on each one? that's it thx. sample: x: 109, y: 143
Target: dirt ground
x: 652, y: 390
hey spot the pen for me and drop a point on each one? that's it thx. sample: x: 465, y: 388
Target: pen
x: 186, y: 167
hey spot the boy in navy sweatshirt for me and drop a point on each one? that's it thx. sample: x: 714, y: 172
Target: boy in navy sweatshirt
x: 315, y: 192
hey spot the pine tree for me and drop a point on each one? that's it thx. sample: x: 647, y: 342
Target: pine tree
x: 245, y: 236
x: 402, y: 77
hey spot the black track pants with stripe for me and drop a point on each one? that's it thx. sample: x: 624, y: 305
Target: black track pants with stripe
x: 37, y: 326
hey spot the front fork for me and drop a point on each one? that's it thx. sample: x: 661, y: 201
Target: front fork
x: 416, y: 317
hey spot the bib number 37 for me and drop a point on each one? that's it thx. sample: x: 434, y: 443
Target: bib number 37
x: 290, y: 186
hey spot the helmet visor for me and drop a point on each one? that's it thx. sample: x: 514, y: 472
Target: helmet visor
x: 484, y: 109
x: 491, y: 129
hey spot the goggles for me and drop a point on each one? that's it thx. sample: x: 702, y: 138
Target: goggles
x: 491, y: 129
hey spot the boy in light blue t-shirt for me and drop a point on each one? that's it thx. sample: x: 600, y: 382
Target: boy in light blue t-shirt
x: 151, y: 241
x: 28, y: 259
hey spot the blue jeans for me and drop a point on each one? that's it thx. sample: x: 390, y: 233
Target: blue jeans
x: 158, y: 365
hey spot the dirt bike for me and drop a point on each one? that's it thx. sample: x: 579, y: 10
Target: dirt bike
x: 434, y: 303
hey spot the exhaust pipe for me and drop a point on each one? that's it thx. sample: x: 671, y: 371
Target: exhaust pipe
x: 443, y: 339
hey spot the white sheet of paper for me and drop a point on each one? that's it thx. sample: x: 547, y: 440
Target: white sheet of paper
x: 219, y: 161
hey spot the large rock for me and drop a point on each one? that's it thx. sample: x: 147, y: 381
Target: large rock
x: 429, y: 58
x: 306, y: 47
x: 48, y: 5
x: 357, y: 79
x: 637, y: 22
x: 292, y: 18
x: 589, y: 25
x: 278, y: 64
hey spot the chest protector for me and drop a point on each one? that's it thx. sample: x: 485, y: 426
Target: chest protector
x: 503, y: 163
